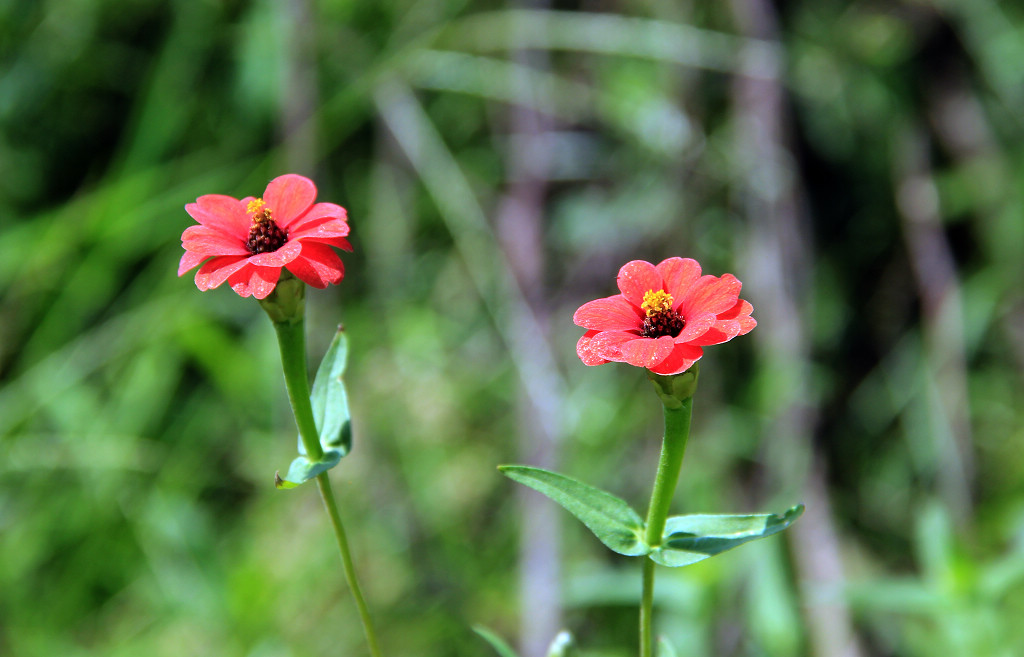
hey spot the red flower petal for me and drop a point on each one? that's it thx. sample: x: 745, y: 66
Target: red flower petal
x: 608, y: 314
x: 682, y: 358
x: 679, y: 274
x: 711, y: 294
x: 727, y: 329
x: 336, y: 242
x: 218, y: 245
x: 288, y: 197
x: 317, y: 265
x: 637, y: 277
x: 222, y: 213
x: 647, y: 352
x: 290, y: 251
x: 742, y: 308
x: 211, y: 241
x: 710, y: 307
x: 319, y: 228
x: 217, y: 270
x: 747, y: 324
x: 189, y: 260
x: 255, y: 281
x: 586, y: 352
x: 264, y: 280
x: 608, y: 344
x: 695, y: 327
x: 319, y: 212
x: 717, y: 335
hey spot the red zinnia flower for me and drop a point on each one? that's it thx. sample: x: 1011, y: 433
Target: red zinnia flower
x: 663, y: 317
x: 247, y: 242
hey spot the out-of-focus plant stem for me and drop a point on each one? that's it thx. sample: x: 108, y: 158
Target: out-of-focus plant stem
x: 780, y: 255
x: 519, y: 229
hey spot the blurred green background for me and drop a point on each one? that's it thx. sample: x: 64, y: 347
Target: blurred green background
x: 858, y: 164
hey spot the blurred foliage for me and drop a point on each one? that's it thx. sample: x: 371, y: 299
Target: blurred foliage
x: 141, y: 422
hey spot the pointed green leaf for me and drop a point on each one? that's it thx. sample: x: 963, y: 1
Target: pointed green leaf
x: 665, y: 648
x: 693, y: 538
x: 612, y: 520
x: 499, y: 645
x: 329, y: 399
x: 302, y: 469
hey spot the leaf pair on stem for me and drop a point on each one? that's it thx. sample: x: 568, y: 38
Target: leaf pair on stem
x: 686, y: 539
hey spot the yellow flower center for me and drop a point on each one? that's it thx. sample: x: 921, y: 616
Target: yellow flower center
x: 264, y: 233
x: 661, y: 320
x: 656, y: 301
x: 256, y: 206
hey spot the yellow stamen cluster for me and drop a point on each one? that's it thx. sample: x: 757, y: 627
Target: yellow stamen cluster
x: 656, y: 301
x: 256, y: 207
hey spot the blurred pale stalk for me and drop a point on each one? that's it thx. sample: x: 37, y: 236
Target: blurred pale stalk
x: 519, y: 228
x: 938, y: 288
x: 779, y: 257
x: 515, y: 319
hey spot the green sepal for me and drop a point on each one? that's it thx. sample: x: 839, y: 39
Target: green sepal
x: 674, y: 389
x: 287, y: 303
x: 499, y: 645
x: 611, y: 519
x: 331, y: 414
x: 692, y: 538
x: 665, y: 648
x: 564, y: 645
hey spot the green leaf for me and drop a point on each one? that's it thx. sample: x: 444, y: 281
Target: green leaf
x: 693, y: 538
x: 665, y: 648
x: 496, y: 641
x: 563, y: 646
x: 302, y: 469
x: 329, y: 399
x: 612, y: 520
x: 330, y: 412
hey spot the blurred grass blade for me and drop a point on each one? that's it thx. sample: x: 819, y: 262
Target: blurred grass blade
x: 499, y: 645
x: 474, y: 239
x: 500, y: 80
x: 610, y: 34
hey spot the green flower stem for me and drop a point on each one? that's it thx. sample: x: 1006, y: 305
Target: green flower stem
x: 323, y: 482
x: 673, y: 446
x: 291, y: 337
x: 647, y: 609
x: 292, y: 341
x: 677, y: 430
